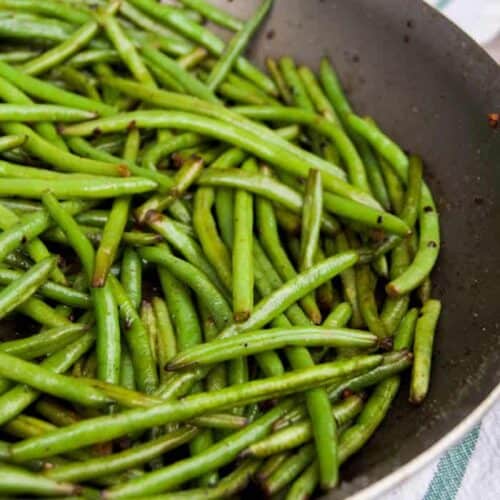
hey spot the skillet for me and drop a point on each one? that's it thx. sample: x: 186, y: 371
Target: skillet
x: 431, y: 88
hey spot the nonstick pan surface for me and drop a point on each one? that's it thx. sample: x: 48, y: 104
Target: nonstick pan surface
x: 431, y: 88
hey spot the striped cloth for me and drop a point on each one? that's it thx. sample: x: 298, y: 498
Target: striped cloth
x: 469, y: 470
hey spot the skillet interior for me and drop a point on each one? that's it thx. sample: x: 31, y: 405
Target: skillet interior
x: 431, y: 88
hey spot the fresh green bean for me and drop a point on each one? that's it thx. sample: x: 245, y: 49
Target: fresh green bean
x: 299, y: 433
x: 275, y: 191
x: 182, y: 243
x: 49, y: 8
x: 424, y: 339
x: 8, y: 142
x: 17, y: 481
x: 42, y: 313
x: 190, y: 83
x: 47, y: 92
x: 125, y: 47
x: 311, y: 219
x: 166, y: 337
x: 193, y: 31
x: 182, y: 180
x: 18, y: 398
x: 138, y: 455
x: 20, y: 290
x: 403, y: 338
x: 214, y: 14
x: 55, y: 56
x: 131, y: 276
x: 135, y: 334
x: 428, y: 249
x: 195, y: 279
x: 111, y: 237
x: 109, y: 427
x: 45, y: 380
x: 237, y: 45
x: 247, y: 344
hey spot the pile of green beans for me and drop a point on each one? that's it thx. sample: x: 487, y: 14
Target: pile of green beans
x: 217, y: 275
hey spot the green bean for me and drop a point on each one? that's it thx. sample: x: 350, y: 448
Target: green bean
x: 45, y: 380
x: 333, y: 90
x: 290, y: 157
x: 320, y: 101
x: 8, y: 142
x: 131, y: 276
x: 428, y: 249
x: 44, y: 342
x: 127, y: 371
x: 42, y: 313
x: 373, y: 172
x: 280, y: 300
x: 91, y: 188
x: 108, y: 338
x: 403, y: 337
x: 163, y: 149
x: 125, y: 47
x: 208, y: 235
x: 135, y: 335
x: 56, y: 413
x: 17, y: 481
x: 28, y: 27
x: 424, y: 339
x: 182, y: 310
x: 279, y: 81
x: 94, y: 234
x: 50, y: 93
x: 275, y: 191
x: 77, y: 80
x: 30, y: 226
x: 270, y: 240
x: 299, y: 433
x: 216, y: 456
x: 18, y: 398
x: 381, y: 143
x: 166, y: 337
x: 146, y: 23
x: 242, y: 263
x: 247, y: 344
x: 394, y: 186
x: 35, y: 248
x: 182, y: 180
x: 402, y: 360
x: 138, y: 455
x: 237, y: 45
x: 55, y: 56
x: 193, y: 58
x: 323, y: 126
x: 109, y: 427
x: 94, y: 56
x: 20, y: 290
x: 311, y: 219
x: 214, y: 14
x: 49, y: 8
x: 173, y: 18
x: 13, y: 95
x: 182, y: 243
x: 149, y: 321
x: 245, y: 85
x: 190, y: 83
x: 367, y: 302
x: 110, y: 241
x: 18, y: 56
x: 356, y: 436
x: 290, y: 468
x: 196, y: 280
x: 413, y: 192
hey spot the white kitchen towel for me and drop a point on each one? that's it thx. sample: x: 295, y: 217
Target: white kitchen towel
x: 470, y: 470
